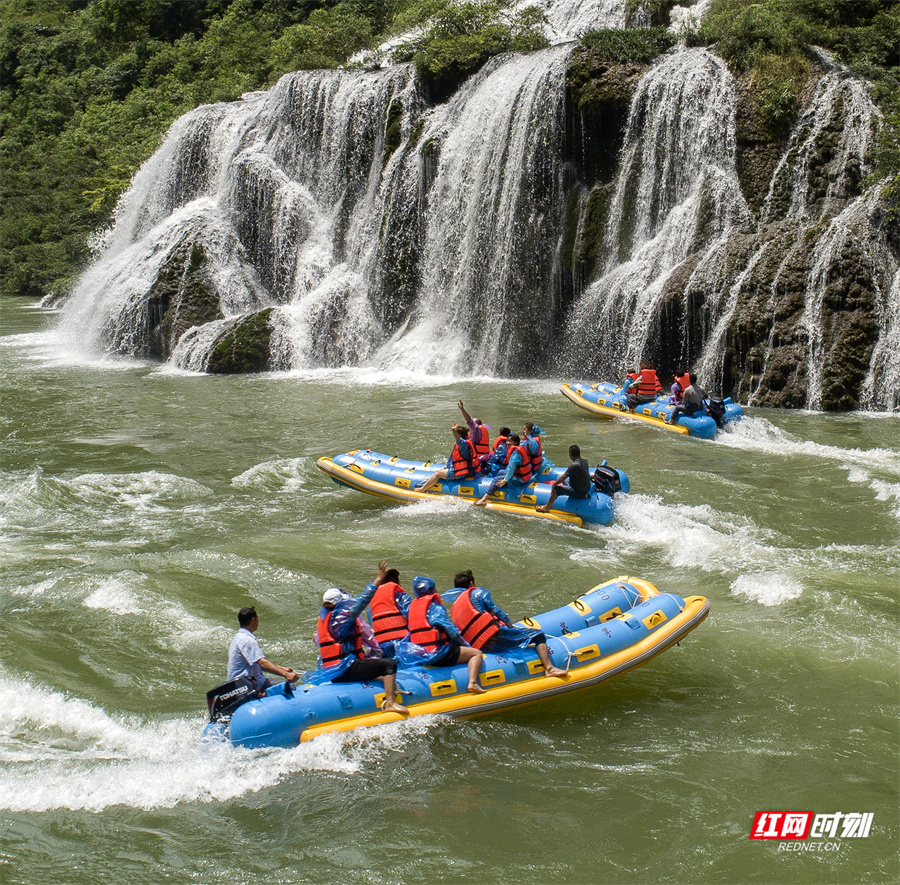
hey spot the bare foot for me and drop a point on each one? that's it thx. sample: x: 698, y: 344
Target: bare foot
x: 475, y: 688
x: 555, y: 671
x: 481, y: 502
x: 394, y: 707
x: 544, y: 508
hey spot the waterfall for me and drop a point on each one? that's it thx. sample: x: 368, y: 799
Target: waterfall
x: 344, y: 218
x: 676, y: 192
x: 493, y: 207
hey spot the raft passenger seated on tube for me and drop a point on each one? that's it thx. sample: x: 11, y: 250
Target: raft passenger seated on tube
x: 434, y: 640
x: 518, y: 469
x: 485, y: 626
x: 642, y: 389
x: 462, y: 463
x: 342, y: 656
x: 388, y: 612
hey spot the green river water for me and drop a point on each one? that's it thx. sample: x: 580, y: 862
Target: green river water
x: 141, y: 508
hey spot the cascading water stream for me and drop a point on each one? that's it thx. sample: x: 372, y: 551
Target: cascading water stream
x: 676, y: 192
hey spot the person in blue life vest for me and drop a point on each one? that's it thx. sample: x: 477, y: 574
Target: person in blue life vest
x: 642, y: 389
x: 484, y: 625
x: 245, y: 657
x: 517, y: 469
x: 575, y: 483
x: 342, y: 655
x: 462, y: 463
x: 692, y: 402
x: 434, y: 640
x: 388, y: 612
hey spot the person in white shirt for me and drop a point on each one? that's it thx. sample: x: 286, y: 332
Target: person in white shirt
x: 245, y: 657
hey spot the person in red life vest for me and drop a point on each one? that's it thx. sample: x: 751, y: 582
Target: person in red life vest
x: 388, y: 612
x: 643, y: 389
x: 462, y: 463
x: 484, y: 625
x: 494, y: 462
x: 479, y: 435
x: 531, y: 440
x: 434, y: 640
x: 679, y: 385
x: 518, y: 469
x: 575, y: 483
x: 342, y: 656
x: 694, y: 396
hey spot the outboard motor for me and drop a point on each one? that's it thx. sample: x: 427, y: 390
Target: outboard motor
x: 716, y: 409
x: 224, y: 699
x: 606, y: 480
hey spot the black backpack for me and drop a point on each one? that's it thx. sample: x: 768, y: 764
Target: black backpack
x: 606, y: 480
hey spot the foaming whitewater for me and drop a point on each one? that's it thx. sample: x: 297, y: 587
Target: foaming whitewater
x: 62, y: 752
x: 676, y: 192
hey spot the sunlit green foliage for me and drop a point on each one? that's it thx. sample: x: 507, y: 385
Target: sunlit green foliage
x: 458, y: 37
x: 641, y: 44
x: 773, y: 39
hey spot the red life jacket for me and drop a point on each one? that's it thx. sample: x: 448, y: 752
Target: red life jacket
x: 537, y: 460
x: 477, y: 627
x: 483, y: 446
x: 649, y: 383
x: 524, y: 471
x: 420, y: 631
x: 463, y: 467
x: 498, y: 442
x: 333, y: 652
x: 684, y: 380
x: 387, y: 620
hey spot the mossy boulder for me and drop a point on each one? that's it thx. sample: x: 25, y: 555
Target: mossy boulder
x: 182, y: 296
x: 244, y: 347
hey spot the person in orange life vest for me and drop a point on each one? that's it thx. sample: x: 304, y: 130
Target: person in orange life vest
x: 245, y: 657
x: 518, y: 469
x: 531, y: 440
x: 478, y: 434
x: 434, y: 639
x: 388, y: 612
x: 461, y: 464
x: 694, y: 395
x: 644, y: 389
x: 342, y: 657
x: 575, y: 483
x: 679, y: 385
x: 485, y: 625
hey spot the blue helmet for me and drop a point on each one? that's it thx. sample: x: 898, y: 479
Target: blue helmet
x: 423, y: 586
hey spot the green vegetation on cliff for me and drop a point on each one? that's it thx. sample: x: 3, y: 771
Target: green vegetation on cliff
x: 772, y: 39
x: 88, y: 89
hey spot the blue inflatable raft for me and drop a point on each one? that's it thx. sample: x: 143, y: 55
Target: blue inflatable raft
x: 391, y: 477
x: 608, y: 400
x: 615, y: 627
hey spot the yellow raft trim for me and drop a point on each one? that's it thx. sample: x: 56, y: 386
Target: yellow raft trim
x: 610, y: 412
x: 397, y: 493
x: 517, y: 694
